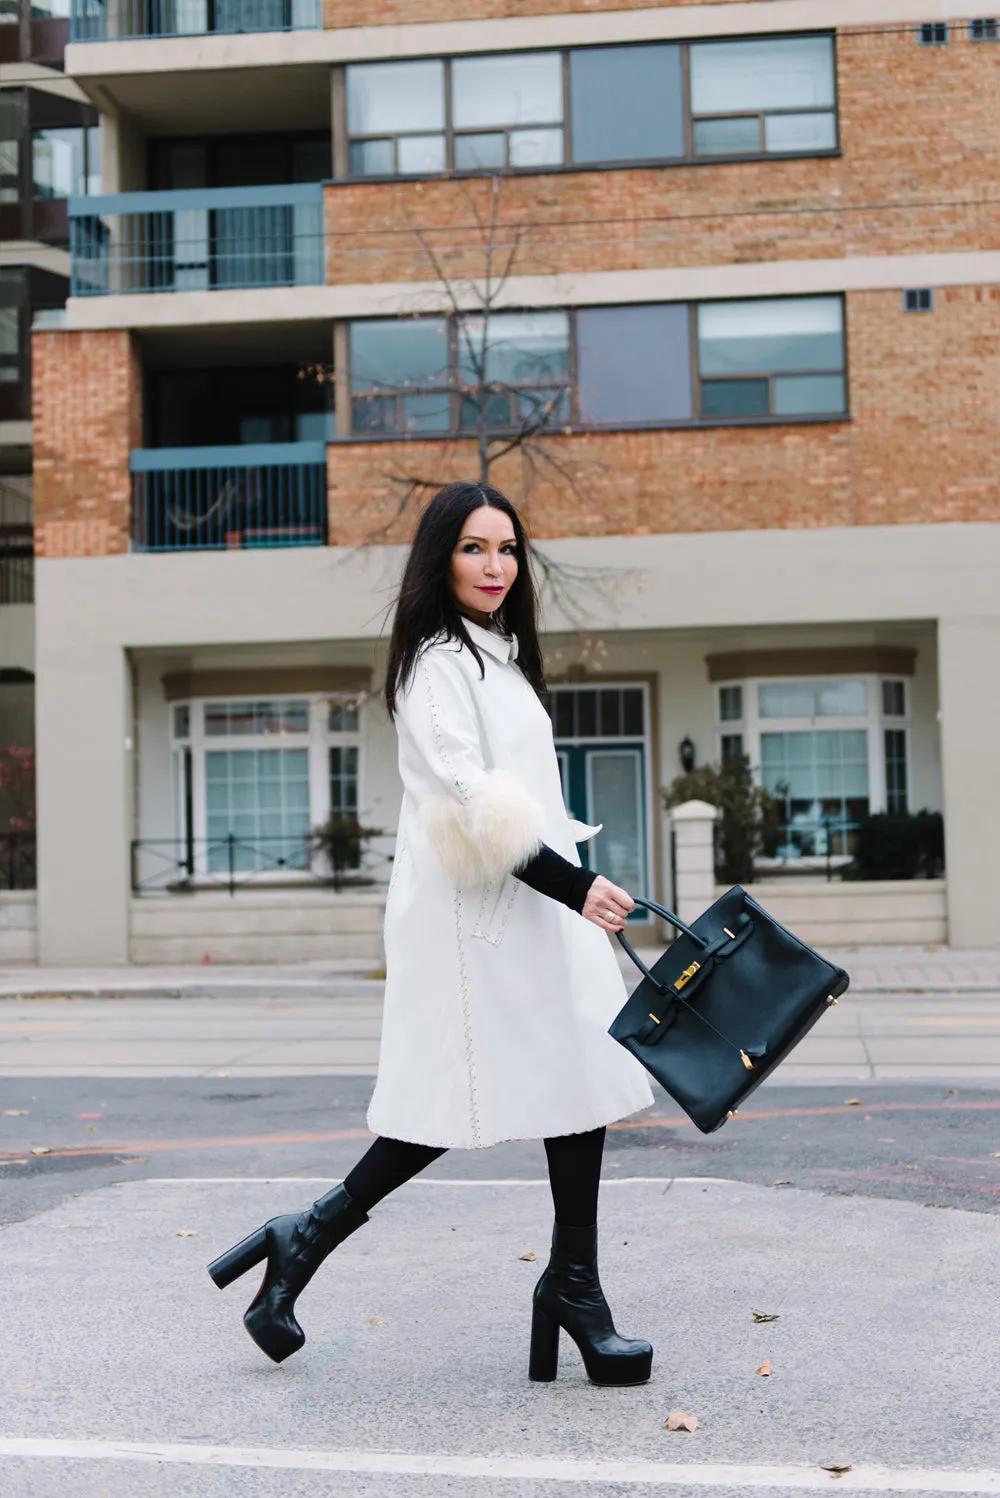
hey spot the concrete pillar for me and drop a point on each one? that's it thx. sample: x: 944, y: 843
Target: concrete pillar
x: 84, y: 758
x: 969, y: 680
x: 694, y: 856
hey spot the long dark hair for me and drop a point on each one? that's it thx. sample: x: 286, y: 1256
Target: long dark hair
x: 425, y: 606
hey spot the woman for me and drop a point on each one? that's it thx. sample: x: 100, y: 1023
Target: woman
x: 498, y: 996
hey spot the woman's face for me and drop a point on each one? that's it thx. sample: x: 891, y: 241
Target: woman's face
x: 484, y: 563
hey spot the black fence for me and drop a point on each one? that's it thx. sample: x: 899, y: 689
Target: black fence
x: 187, y: 865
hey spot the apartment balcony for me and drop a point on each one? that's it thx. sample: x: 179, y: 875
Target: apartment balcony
x: 196, y: 240
x: 110, y: 20
x: 229, y: 498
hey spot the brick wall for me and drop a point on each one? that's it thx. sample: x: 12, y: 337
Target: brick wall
x: 923, y: 445
x: 340, y: 13
x: 87, y: 400
x: 920, y: 133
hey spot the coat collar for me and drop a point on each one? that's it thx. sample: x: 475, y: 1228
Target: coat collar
x: 501, y: 647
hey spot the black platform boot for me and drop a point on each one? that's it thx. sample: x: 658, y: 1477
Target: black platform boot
x: 569, y: 1295
x: 295, y: 1246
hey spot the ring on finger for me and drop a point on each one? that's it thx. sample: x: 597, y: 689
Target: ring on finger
x: 609, y: 915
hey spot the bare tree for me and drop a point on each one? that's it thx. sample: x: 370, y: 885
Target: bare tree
x: 512, y: 403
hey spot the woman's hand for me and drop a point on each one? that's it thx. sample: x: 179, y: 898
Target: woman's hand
x: 607, y: 905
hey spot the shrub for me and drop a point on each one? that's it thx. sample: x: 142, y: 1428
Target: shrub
x: 341, y: 838
x: 749, y: 815
x: 899, y: 845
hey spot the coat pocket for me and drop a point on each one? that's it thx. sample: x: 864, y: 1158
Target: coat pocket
x: 495, y: 908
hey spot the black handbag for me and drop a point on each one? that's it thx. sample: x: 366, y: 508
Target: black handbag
x: 724, y: 1005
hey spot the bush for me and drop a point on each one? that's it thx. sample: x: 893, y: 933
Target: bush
x: 749, y: 815
x: 899, y: 845
x: 341, y: 839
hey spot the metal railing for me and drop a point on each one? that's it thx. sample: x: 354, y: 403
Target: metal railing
x: 187, y: 865
x: 108, y: 20
x: 202, y: 239
x: 18, y: 860
x: 229, y: 498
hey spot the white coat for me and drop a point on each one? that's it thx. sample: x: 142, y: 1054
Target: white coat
x: 497, y: 998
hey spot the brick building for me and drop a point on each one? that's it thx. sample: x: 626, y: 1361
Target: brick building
x: 755, y: 295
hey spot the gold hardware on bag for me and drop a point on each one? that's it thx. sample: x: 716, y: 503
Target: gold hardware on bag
x: 653, y: 1017
x: 732, y: 1114
x: 687, y: 975
x: 831, y: 1000
x: 746, y: 1060
x: 730, y: 934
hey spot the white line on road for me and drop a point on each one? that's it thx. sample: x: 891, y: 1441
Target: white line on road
x: 431, y: 1181
x: 513, y: 1468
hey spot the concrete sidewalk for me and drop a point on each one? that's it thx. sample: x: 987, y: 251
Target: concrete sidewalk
x: 873, y: 970
x: 413, y: 1379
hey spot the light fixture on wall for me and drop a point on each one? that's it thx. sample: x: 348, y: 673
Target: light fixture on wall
x: 686, y: 750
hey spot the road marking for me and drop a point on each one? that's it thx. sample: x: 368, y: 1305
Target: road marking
x: 513, y: 1468
x: 423, y: 1181
x: 669, y: 1121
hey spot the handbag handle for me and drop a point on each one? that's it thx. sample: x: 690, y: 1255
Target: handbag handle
x: 671, y: 920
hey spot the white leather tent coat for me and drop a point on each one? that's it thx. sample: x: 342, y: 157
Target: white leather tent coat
x: 498, y: 998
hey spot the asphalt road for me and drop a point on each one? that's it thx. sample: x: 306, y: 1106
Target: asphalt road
x: 928, y: 1142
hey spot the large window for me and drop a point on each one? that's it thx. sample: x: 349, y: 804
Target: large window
x: 13, y: 325
x: 66, y: 162
x: 255, y: 776
x: 592, y: 106
x: 831, y: 750
x: 13, y: 118
x: 773, y: 359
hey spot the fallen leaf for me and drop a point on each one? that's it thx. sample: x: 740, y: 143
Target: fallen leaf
x: 529, y: 1257
x: 15, y: 1113
x: 953, y: 1092
x: 911, y: 1167
x: 995, y: 1155
x: 91, y: 1129
x: 837, y: 1469
x: 677, y: 1420
x: 186, y: 1233
x: 868, y: 1118
x: 852, y: 1102
x: 782, y: 1183
x: 761, y: 1316
x: 765, y: 1370
x: 376, y: 1322
x: 41, y: 1149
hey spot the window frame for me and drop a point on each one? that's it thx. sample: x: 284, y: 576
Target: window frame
x: 874, y: 723
x: 90, y: 134
x: 689, y: 158
x: 573, y: 423
x: 317, y: 739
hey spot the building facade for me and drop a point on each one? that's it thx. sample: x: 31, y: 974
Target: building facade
x: 735, y: 267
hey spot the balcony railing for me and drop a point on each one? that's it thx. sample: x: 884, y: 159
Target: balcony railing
x: 229, y: 498
x: 109, y: 20
x: 204, y: 239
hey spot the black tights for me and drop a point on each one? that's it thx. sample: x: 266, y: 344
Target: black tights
x: 574, y: 1173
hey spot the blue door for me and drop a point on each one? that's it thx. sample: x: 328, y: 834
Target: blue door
x: 601, y: 743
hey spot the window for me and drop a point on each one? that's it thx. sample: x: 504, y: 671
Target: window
x: 66, y: 162
x: 771, y: 358
x: 934, y: 34
x: 985, y: 30
x: 762, y: 97
x: 592, y: 105
x: 919, y: 300
x: 13, y: 325
x: 13, y: 117
x: 634, y: 364
x: 50, y: 10
x: 518, y: 366
x: 830, y: 749
x: 254, y: 776
x: 627, y: 103
x: 766, y: 359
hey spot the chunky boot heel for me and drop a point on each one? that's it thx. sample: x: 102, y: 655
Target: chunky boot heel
x: 229, y: 1266
x: 569, y: 1296
x: 543, y: 1360
x: 295, y: 1246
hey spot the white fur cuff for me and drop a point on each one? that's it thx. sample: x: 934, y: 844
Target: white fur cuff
x: 489, y: 837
